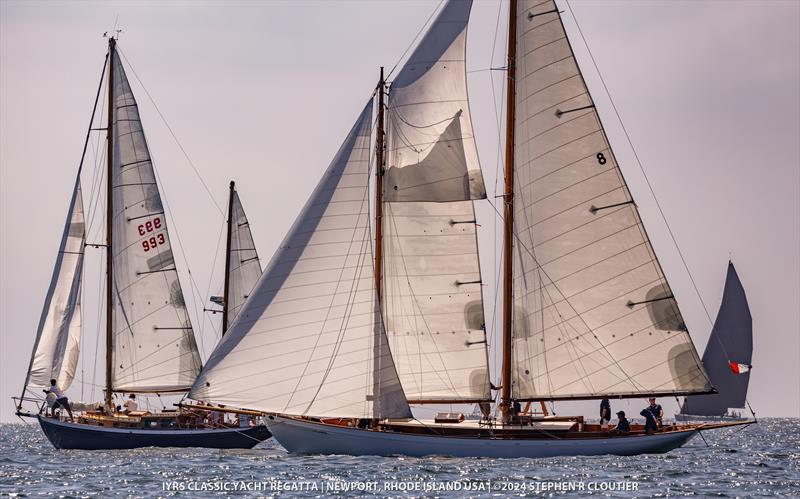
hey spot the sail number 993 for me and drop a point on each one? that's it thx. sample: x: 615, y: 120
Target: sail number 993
x: 155, y: 240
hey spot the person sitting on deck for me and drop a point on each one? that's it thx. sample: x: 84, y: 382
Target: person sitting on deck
x: 130, y: 404
x: 605, y: 414
x: 61, y: 399
x: 650, y: 425
x: 623, y: 426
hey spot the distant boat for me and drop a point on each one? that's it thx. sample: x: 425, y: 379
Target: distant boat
x: 727, y: 359
x: 150, y: 344
x: 361, y: 312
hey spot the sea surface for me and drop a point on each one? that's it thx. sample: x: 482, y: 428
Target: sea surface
x: 759, y: 461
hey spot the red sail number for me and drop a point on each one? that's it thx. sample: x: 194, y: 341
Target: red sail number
x: 150, y: 226
x: 153, y: 242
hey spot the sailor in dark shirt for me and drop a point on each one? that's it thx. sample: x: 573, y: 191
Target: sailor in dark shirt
x: 658, y: 412
x: 650, y: 426
x: 605, y: 413
x: 623, y: 426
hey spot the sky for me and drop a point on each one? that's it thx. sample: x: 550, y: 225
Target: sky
x: 263, y: 93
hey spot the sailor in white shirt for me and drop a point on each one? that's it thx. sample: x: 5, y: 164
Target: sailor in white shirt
x: 130, y: 404
x: 61, y: 399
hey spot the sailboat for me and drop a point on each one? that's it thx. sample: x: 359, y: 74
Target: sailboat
x: 150, y: 344
x: 242, y: 266
x: 726, y: 359
x: 360, y: 314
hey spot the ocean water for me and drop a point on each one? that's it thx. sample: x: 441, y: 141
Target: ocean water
x: 760, y: 461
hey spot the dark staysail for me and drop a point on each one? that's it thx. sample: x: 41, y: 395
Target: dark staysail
x: 731, y: 341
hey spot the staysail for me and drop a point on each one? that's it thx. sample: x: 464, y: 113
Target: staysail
x: 57, y: 346
x: 244, y: 268
x: 731, y: 341
x: 154, y: 348
x: 432, y: 298
x: 310, y: 340
x: 593, y: 312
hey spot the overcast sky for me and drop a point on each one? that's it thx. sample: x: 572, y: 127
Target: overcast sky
x: 264, y: 92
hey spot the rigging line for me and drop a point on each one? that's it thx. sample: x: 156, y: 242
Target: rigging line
x: 641, y: 168
x: 414, y: 40
x: 185, y: 154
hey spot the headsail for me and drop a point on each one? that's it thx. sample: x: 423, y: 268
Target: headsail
x: 432, y: 298
x: 244, y: 268
x: 154, y: 347
x: 57, y: 346
x: 310, y: 339
x: 593, y: 312
x: 731, y: 341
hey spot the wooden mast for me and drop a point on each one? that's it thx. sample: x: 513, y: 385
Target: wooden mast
x: 226, y: 290
x: 109, y: 221
x: 379, y: 136
x: 508, y: 212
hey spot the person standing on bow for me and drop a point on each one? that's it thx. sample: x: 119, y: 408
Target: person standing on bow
x: 61, y: 399
x: 605, y: 414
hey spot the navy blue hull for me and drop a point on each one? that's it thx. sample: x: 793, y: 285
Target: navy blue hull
x: 64, y: 435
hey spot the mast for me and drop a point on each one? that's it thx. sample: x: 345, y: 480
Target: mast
x: 379, y: 136
x: 508, y: 212
x: 109, y: 219
x: 226, y: 291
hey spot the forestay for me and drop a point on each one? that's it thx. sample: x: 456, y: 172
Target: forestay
x: 731, y: 341
x: 57, y: 346
x: 245, y: 268
x: 594, y: 314
x: 432, y: 299
x: 154, y: 348
x: 309, y: 340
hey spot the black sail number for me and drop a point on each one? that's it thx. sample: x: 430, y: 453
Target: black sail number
x: 601, y: 159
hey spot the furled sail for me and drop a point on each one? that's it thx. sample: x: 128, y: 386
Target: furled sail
x: 309, y: 340
x: 244, y: 266
x: 432, y: 299
x: 154, y: 348
x: 731, y: 341
x: 57, y: 346
x: 594, y: 314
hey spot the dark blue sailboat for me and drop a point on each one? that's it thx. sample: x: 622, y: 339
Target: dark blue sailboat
x: 727, y: 359
x: 150, y: 344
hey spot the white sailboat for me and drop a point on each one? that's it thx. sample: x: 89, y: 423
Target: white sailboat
x: 150, y: 343
x: 338, y: 336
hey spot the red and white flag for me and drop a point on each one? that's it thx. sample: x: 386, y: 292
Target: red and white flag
x: 739, y: 368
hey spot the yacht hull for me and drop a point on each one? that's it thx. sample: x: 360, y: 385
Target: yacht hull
x: 709, y: 419
x: 65, y: 435
x: 309, y: 437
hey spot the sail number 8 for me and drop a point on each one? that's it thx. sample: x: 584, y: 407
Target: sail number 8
x: 154, y: 240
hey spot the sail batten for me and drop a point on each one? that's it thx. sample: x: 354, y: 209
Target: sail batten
x: 312, y: 324
x: 153, y: 344
x: 593, y: 313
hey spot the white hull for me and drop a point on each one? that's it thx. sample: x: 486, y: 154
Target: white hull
x: 307, y: 437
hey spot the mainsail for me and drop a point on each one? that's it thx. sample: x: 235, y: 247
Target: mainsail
x: 593, y: 312
x: 154, y: 349
x: 432, y: 298
x: 731, y: 341
x: 57, y: 346
x: 310, y: 340
x: 244, y: 268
